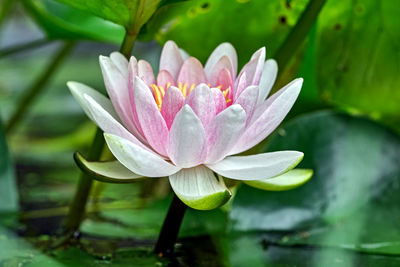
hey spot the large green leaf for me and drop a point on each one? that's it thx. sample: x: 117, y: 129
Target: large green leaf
x: 131, y: 14
x: 354, y: 194
x: 358, y: 56
x: 198, y: 26
x: 63, y: 22
x: 8, y: 188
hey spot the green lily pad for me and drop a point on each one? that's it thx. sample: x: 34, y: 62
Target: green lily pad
x: 286, y: 181
x: 106, y: 171
x: 352, y: 200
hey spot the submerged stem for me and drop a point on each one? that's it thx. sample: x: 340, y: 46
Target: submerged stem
x: 298, y: 32
x: 170, y: 229
x: 78, y: 204
x: 33, y: 92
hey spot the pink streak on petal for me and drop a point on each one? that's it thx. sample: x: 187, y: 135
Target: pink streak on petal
x: 268, y: 116
x: 219, y: 99
x: 223, y: 63
x: 241, y: 85
x: 201, y: 100
x: 153, y: 125
x: 224, y: 49
x: 192, y: 72
x: 171, y: 59
x: 248, y: 100
x: 254, y: 67
x: 172, y: 103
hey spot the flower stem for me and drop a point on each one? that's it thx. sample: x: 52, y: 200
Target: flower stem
x: 78, y: 204
x: 170, y: 229
x: 33, y: 92
x: 298, y: 33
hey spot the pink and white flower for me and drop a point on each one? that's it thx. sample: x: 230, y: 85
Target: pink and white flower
x: 187, y: 121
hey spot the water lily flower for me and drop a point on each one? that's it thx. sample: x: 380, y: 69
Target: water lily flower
x: 187, y: 122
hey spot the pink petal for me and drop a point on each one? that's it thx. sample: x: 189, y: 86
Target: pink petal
x: 248, y: 100
x: 241, y: 85
x: 254, y: 67
x: 223, y: 64
x: 224, y: 49
x: 163, y: 78
x: 268, y: 116
x: 172, y: 103
x: 171, y: 59
x: 187, y: 139
x: 202, y: 102
x: 145, y: 72
x: 152, y: 123
x: 219, y: 100
x: 192, y: 72
x: 117, y: 88
x: 135, y: 127
x: 223, y: 132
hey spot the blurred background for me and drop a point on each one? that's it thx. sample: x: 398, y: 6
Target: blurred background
x: 346, y: 121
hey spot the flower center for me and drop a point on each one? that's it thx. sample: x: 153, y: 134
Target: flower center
x: 159, y: 91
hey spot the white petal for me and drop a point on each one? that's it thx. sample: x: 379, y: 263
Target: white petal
x: 120, y: 62
x: 199, y: 188
x: 187, y: 139
x: 78, y: 90
x: 137, y: 159
x: 223, y: 131
x: 107, y: 122
x: 106, y: 171
x: 260, y: 166
x: 268, y: 116
x: 268, y: 78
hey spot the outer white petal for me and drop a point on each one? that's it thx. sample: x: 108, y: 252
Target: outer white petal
x: 255, y: 167
x: 224, y: 49
x: 108, y: 123
x: 187, y: 139
x: 199, y: 188
x: 120, y: 62
x: 78, y: 90
x: 137, y: 159
x: 268, y: 78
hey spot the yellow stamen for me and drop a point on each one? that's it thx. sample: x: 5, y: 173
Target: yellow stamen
x: 157, y: 95
x: 162, y: 90
x: 192, y: 87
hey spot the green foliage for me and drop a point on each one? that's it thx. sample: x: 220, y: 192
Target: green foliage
x: 131, y: 14
x: 8, y: 188
x: 352, y: 198
x: 198, y: 26
x: 358, y: 56
x: 63, y: 22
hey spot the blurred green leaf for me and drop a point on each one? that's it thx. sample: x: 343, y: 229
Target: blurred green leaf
x: 356, y: 184
x: 131, y: 14
x: 198, y: 26
x: 63, y: 22
x: 8, y: 187
x: 358, y: 56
